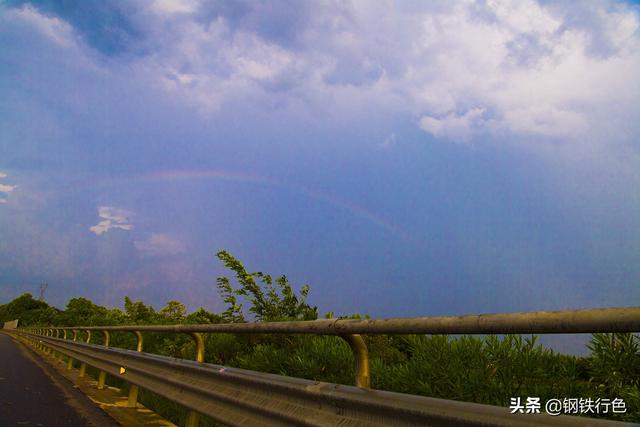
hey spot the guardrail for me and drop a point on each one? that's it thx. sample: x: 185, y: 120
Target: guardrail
x: 241, y: 397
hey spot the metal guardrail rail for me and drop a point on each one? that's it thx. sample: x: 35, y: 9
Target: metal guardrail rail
x: 240, y: 397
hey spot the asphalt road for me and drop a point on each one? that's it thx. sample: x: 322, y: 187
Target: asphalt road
x: 32, y: 394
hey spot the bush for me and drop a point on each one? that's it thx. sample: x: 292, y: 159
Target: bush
x: 614, y: 366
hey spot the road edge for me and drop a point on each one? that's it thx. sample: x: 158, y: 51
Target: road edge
x: 84, y: 407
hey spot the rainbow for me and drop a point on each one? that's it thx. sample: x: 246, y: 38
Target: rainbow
x: 233, y: 176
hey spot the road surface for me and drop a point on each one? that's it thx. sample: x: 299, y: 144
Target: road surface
x: 33, y: 394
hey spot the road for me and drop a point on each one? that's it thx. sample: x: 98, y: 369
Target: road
x: 33, y: 394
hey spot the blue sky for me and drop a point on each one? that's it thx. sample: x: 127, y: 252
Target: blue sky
x: 402, y: 158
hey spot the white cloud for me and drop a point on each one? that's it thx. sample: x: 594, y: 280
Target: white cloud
x: 388, y: 142
x: 455, y: 127
x: 159, y: 244
x: 55, y: 29
x: 465, y: 69
x: 113, y: 218
x: 532, y: 75
x: 554, y: 71
x: 5, y: 189
x: 171, y: 7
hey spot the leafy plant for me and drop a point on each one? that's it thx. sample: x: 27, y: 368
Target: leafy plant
x: 269, y: 301
x: 137, y: 311
x: 615, y: 369
x: 174, y: 311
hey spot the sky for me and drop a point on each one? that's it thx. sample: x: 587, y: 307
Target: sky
x: 402, y: 158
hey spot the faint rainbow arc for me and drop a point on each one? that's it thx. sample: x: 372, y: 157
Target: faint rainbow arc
x: 232, y: 176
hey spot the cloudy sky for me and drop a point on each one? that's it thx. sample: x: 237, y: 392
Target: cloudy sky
x: 402, y: 158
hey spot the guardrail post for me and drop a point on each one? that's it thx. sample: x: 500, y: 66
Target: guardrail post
x: 193, y: 418
x: 60, y: 355
x: 83, y: 365
x: 199, y: 339
x: 49, y: 334
x: 361, y: 356
x: 70, y: 361
x: 54, y: 354
x: 103, y: 375
x: 133, y: 391
x: 64, y: 337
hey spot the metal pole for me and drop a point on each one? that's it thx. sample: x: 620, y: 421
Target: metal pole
x: 70, y: 361
x: 103, y: 375
x: 60, y: 355
x: 193, y: 418
x: 133, y: 391
x: 49, y: 349
x: 361, y: 356
x: 83, y: 365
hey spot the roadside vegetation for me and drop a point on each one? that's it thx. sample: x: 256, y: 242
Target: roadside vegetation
x: 489, y: 370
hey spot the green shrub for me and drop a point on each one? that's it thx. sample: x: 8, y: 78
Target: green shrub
x: 615, y: 370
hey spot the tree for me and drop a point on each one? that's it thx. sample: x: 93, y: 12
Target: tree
x: 81, y: 311
x: 137, y: 311
x: 202, y: 316
x: 28, y: 310
x: 174, y: 311
x: 269, y: 301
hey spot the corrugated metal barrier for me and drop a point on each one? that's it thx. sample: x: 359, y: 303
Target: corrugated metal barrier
x: 245, y: 398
